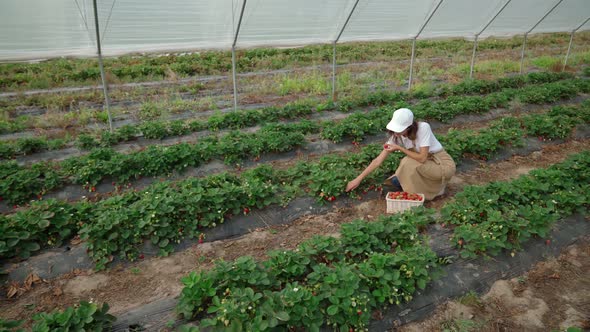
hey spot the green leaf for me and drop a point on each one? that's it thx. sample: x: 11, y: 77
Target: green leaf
x: 31, y: 246
x: 332, y: 310
x: 47, y: 215
x: 113, y: 236
x: 421, y: 283
x: 164, y: 243
x: 282, y: 315
x: 44, y: 223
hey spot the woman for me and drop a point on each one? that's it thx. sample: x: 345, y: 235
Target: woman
x: 425, y: 169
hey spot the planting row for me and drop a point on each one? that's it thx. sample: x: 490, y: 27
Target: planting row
x: 68, y: 72
x: 21, y: 183
x: 86, y: 316
x: 502, y: 215
x: 241, y: 119
x: 361, y: 124
x: 340, y: 281
x: 166, y: 212
x: 326, y: 280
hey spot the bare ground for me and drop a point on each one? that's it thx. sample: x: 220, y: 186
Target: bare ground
x: 553, y: 295
x: 125, y: 288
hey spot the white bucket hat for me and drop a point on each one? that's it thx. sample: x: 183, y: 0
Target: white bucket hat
x: 402, y: 119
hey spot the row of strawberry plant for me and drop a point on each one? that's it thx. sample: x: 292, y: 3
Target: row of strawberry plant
x: 100, y: 163
x: 481, y: 144
x: 360, y: 124
x: 307, y: 288
x: 20, y: 183
x: 502, y: 215
x: 85, y: 316
x: 326, y: 280
x: 245, y: 118
x: 72, y: 72
x: 166, y: 212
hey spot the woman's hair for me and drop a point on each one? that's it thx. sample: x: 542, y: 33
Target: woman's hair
x: 411, y: 132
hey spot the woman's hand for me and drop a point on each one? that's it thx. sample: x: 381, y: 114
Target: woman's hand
x: 353, y: 184
x: 390, y: 147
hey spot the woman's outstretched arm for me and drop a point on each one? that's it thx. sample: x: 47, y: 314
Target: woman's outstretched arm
x: 372, y: 166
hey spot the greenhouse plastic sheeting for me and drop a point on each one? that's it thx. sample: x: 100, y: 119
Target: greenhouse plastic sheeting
x: 31, y: 29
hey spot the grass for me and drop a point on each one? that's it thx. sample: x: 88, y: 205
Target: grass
x: 75, y: 72
x: 547, y: 62
x: 460, y: 325
x: 381, y: 73
x: 313, y: 83
x: 471, y: 299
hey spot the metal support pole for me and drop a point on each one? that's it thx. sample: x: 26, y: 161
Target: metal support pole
x: 233, y: 73
x: 480, y: 32
x: 473, y: 56
x: 101, y: 67
x: 533, y: 28
x: 414, y: 42
x: 412, y: 64
x: 569, y: 47
x: 334, y: 71
x: 233, y: 56
x: 334, y: 50
x: 571, y: 41
x: 522, y: 53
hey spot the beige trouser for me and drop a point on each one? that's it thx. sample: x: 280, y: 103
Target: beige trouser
x: 427, y: 178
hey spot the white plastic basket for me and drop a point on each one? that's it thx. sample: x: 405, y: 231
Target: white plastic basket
x: 399, y: 205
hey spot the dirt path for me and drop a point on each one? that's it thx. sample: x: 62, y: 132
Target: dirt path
x: 553, y: 295
x: 125, y: 288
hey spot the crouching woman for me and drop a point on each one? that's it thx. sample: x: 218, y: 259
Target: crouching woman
x: 425, y: 169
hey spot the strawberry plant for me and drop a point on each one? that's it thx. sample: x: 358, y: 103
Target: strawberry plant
x: 318, y: 283
x: 10, y: 325
x: 45, y: 224
x: 199, y: 289
x: 549, y: 127
x: 20, y: 183
x: 501, y: 215
x: 83, y: 317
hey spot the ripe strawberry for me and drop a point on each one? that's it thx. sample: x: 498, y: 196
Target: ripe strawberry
x: 1, y: 199
x: 246, y: 210
x: 547, y: 242
x: 141, y: 256
x: 93, y: 189
x: 359, y: 312
x: 333, y: 198
x: 460, y: 242
x: 385, y: 146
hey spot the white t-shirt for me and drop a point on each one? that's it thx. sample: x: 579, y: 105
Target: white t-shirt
x: 424, y: 137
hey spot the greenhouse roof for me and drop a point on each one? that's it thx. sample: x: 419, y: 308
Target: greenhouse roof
x: 32, y: 29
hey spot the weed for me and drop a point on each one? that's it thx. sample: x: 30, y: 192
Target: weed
x: 471, y: 298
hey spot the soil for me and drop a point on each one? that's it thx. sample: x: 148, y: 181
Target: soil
x: 553, y: 295
x: 126, y: 288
